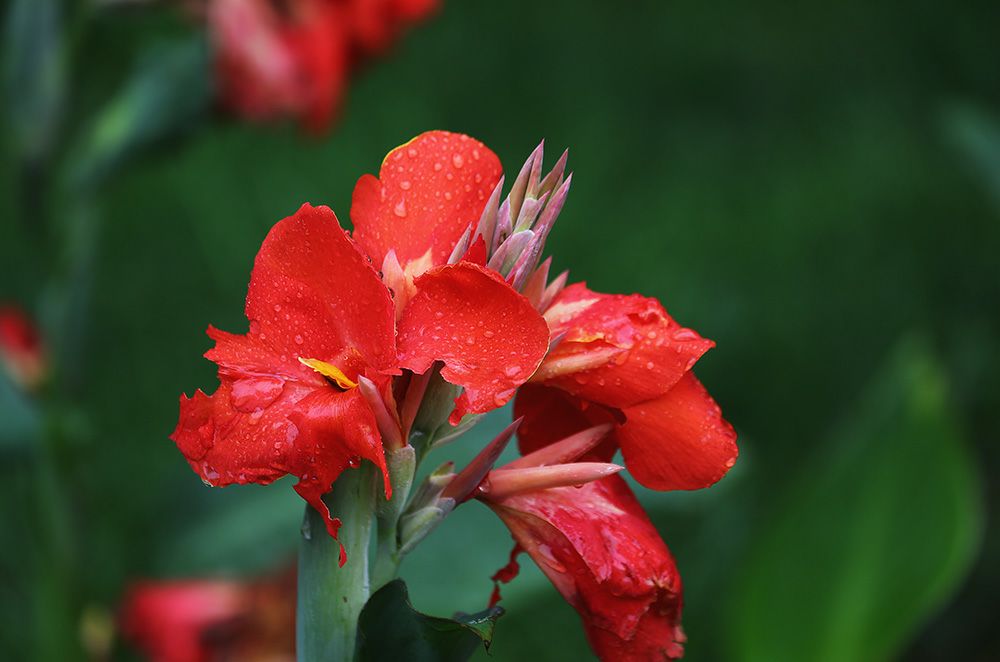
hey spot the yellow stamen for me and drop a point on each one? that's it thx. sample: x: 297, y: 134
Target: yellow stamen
x: 330, y: 372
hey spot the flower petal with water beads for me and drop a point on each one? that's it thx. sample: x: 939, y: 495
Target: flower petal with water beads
x: 428, y: 193
x: 489, y: 337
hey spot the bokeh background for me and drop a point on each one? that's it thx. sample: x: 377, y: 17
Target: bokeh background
x: 815, y: 186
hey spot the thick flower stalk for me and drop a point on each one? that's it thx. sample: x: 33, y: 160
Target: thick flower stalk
x: 368, y: 350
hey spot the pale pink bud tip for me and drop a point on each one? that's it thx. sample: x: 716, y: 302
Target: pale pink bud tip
x: 504, y: 483
x: 565, y: 450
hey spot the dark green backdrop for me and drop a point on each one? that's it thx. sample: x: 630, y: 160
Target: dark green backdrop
x: 807, y: 184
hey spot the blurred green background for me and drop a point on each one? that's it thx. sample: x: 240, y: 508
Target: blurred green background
x: 815, y: 186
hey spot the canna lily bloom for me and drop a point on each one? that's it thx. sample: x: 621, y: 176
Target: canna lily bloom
x: 309, y: 390
x: 586, y: 531
x: 212, y: 620
x: 624, y: 360
x: 293, y: 58
x: 21, y: 349
x: 601, y: 552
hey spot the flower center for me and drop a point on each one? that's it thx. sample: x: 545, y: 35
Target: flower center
x: 331, y: 372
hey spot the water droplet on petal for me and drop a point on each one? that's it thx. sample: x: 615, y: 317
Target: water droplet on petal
x: 405, y: 185
x: 457, y: 160
x: 489, y: 334
x: 298, y: 339
x: 437, y: 167
x: 400, y: 209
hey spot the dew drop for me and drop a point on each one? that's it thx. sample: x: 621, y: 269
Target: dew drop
x: 649, y: 365
x: 437, y: 167
x: 412, y: 153
x: 405, y: 185
x: 470, y: 341
x: 277, y: 307
x: 457, y: 160
x: 447, y: 195
x: 298, y: 339
x: 489, y: 334
x: 512, y: 370
x: 400, y: 209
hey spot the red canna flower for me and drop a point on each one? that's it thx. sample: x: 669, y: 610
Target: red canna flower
x: 322, y: 323
x: 293, y: 58
x: 21, y: 349
x: 586, y: 531
x: 601, y: 552
x: 624, y: 360
x: 212, y: 620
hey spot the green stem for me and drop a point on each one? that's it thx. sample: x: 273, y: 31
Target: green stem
x: 330, y: 598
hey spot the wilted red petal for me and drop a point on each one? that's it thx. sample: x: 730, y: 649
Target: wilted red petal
x: 551, y: 415
x: 312, y: 295
x: 678, y: 441
x: 489, y: 337
x: 602, y: 553
x: 335, y: 431
x: 429, y: 191
x: 617, y: 350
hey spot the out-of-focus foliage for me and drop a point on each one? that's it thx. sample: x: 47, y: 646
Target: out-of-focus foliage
x: 889, y: 511
x: 786, y: 178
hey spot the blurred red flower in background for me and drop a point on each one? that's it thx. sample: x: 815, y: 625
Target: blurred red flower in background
x: 212, y: 620
x: 278, y: 58
x: 21, y: 348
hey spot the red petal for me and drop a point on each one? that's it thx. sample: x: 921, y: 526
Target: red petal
x: 335, y: 429
x: 429, y: 191
x: 618, y: 350
x: 312, y: 295
x: 490, y: 337
x: 678, y: 441
x: 550, y: 415
x: 256, y: 430
x: 602, y: 553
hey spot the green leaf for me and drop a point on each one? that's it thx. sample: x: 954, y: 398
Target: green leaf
x: 390, y: 629
x: 977, y: 134
x: 169, y: 88
x: 875, y: 534
x: 34, y: 73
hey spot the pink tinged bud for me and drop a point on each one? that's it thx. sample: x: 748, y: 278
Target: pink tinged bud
x: 488, y: 221
x: 570, y: 364
x: 566, y: 450
x: 525, y: 264
x: 504, y: 483
x: 552, y: 291
x: 504, y: 226
x: 462, y: 247
x: 535, y: 176
x: 465, y: 482
x: 507, y: 254
x: 551, y: 211
x: 554, y: 179
x: 530, y: 210
x: 520, y: 187
x: 535, y: 285
x: 388, y: 424
x: 415, y: 392
x: 397, y: 281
